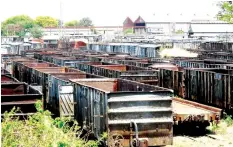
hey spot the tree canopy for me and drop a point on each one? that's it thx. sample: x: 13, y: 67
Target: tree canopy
x: 20, y: 25
x: 72, y: 23
x: 226, y: 11
x: 180, y: 31
x: 17, y: 25
x: 85, y: 22
x: 46, y: 21
x: 128, y: 31
x: 36, y: 32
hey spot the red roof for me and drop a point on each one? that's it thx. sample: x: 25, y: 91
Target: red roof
x: 128, y: 21
x: 139, y: 20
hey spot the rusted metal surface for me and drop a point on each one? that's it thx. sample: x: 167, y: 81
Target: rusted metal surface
x: 113, y: 67
x: 123, y: 71
x: 208, y: 87
x: 173, y: 80
x: 144, y: 76
x: 149, y: 111
x: 183, y: 109
x: 94, y: 92
x: 204, y: 64
x: 59, y: 79
x: 23, y: 70
x: 12, y: 89
x: 8, y: 79
x: 157, y: 66
x: 40, y: 55
x: 188, y: 115
x: 19, y: 95
x: 9, y: 64
x: 54, y: 81
x: 138, y: 63
x: 105, y: 105
x: 40, y: 77
x: 208, y: 109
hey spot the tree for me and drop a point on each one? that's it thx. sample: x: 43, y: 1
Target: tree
x: 128, y: 31
x: 226, y: 11
x: 36, y: 32
x: 17, y: 25
x: 72, y: 23
x: 85, y: 22
x: 180, y: 31
x: 46, y: 21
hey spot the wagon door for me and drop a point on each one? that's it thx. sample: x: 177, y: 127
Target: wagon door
x: 66, y: 100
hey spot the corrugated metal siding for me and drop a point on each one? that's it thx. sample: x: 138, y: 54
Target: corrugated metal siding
x: 150, y: 111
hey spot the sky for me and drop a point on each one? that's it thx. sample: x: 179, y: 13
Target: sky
x: 112, y: 12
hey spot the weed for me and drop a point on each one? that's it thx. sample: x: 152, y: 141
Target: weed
x: 41, y: 130
x: 221, y: 128
x: 229, y: 120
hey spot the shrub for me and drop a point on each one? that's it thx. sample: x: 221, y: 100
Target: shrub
x: 229, y: 120
x: 41, y: 130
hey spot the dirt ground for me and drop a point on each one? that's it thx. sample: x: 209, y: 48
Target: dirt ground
x: 223, y: 138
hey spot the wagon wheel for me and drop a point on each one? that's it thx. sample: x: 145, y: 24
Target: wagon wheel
x: 115, y: 140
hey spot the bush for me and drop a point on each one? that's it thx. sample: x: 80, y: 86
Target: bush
x: 229, y: 120
x: 222, y: 126
x: 41, y: 130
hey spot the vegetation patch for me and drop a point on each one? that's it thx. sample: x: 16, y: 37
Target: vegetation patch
x: 41, y: 130
x: 222, y: 126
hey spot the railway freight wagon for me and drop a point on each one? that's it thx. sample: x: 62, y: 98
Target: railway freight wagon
x: 6, y: 78
x: 120, y: 71
x: 40, y: 77
x: 138, y: 63
x: 17, y: 94
x: 209, y: 46
x: 8, y: 64
x: 217, y: 55
x: 40, y: 55
x: 60, y: 59
x: 130, y: 112
x: 204, y: 63
x: 67, y: 61
x: 138, y: 50
x: 212, y: 87
x: 24, y: 69
x: 37, y: 73
x: 58, y: 104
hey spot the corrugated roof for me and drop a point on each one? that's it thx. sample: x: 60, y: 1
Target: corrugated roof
x: 212, y: 28
x: 139, y: 20
x: 128, y: 21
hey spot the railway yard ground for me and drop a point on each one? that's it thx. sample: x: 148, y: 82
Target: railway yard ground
x: 220, y: 136
x: 223, y: 138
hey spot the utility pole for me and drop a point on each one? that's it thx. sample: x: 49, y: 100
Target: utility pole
x: 226, y: 41
x: 61, y: 19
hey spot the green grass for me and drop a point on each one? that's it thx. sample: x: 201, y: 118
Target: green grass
x: 221, y: 128
x: 41, y: 130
